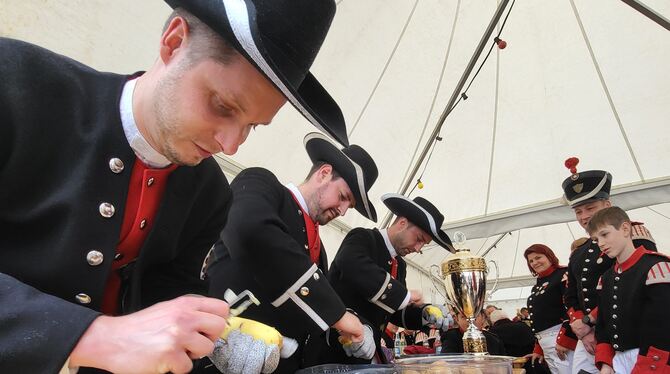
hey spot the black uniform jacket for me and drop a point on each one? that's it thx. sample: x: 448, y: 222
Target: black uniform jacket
x: 517, y: 337
x: 264, y: 250
x: 59, y: 128
x: 452, y: 342
x: 546, y: 307
x: 361, y: 275
x: 587, y: 264
x: 633, y: 310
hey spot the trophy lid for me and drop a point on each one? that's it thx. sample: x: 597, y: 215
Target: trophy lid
x: 463, y: 259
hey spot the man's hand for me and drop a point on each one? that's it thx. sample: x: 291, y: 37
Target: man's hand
x: 350, y: 328
x: 415, y: 297
x: 580, y: 328
x: 562, y: 352
x: 364, y: 349
x: 162, y: 338
x: 606, y: 369
x: 589, y: 341
x: 534, y: 357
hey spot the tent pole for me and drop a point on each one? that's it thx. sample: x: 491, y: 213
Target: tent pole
x: 649, y: 13
x: 454, y: 96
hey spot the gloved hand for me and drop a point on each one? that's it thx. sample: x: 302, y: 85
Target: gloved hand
x: 436, y: 316
x: 364, y: 349
x: 250, y: 347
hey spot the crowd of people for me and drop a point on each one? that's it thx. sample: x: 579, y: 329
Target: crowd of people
x: 123, y: 240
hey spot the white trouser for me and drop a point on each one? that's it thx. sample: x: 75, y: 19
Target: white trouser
x: 547, y: 340
x: 623, y: 362
x: 583, y: 360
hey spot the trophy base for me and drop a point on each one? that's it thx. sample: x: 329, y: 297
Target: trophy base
x: 474, y: 341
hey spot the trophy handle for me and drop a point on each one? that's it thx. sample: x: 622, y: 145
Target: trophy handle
x: 437, y: 286
x: 495, y: 283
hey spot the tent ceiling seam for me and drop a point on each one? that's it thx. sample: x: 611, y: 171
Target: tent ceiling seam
x: 437, y: 91
x: 657, y: 212
x: 516, y: 252
x: 386, y: 65
x: 606, y: 90
x: 494, y: 130
x: 570, y: 230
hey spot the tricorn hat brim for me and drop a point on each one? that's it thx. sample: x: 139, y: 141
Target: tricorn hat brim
x: 237, y: 22
x: 401, y: 206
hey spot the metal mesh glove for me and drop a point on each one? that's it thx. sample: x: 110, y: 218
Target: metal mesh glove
x: 364, y: 349
x: 436, y: 316
x: 242, y: 354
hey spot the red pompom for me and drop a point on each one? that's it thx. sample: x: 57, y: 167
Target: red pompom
x: 502, y: 44
x: 571, y: 164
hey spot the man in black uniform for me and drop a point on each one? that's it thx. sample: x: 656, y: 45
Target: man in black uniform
x: 633, y: 325
x: 109, y: 197
x: 588, y: 192
x: 368, y: 271
x: 452, y: 339
x: 271, y: 244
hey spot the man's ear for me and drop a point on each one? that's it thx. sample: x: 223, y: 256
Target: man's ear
x: 324, y: 171
x: 173, y: 39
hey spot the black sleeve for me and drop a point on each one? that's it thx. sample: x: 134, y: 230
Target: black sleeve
x: 256, y: 235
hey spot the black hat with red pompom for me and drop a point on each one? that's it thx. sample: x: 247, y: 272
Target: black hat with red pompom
x: 587, y: 186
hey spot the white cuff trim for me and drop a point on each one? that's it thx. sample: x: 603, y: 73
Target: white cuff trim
x: 294, y: 288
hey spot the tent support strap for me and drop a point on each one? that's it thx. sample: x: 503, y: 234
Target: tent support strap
x: 649, y: 13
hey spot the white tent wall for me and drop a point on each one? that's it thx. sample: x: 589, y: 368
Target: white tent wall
x: 584, y: 78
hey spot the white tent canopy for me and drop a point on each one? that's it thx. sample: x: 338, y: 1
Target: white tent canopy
x: 578, y: 78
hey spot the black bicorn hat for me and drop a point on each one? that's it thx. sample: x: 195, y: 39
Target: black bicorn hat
x: 587, y: 186
x: 281, y: 38
x: 422, y: 213
x: 352, y: 163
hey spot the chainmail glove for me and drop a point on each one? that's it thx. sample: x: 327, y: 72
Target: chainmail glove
x: 364, y: 349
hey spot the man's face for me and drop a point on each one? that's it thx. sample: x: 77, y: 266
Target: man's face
x: 524, y: 312
x: 331, y: 199
x: 206, y: 107
x: 409, y: 238
x: 612, y: 241
x: 538, y: 262
x: 584, y: 212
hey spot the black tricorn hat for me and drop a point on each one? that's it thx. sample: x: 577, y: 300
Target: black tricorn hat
x: 587, y: 186
x: 352, y: 163
x: 422, y: 213
x: 281, y: 38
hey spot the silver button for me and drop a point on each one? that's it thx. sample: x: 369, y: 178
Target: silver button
x: 587, y: 260
x: 584, y: 289
x: 614, y: 326
x: 115, y: 165
x: 83, y: 298
x: 530, y: 306
x: 389, y: 286
x: 531, y: 314
x: 614, y: 306
x: 590, y: 250
x: 588, y: 310
x: 583, y: 279
x: 585, y: 269
x: 586, y: 299
x: 616, y: 346
x: 118, y: 256
x: 616, y: 278
x: 615, y: 336
x: 150, y: 181
x: 652, y: 367
x: 383, y: 297
x: 655, y: 358
x: 530, y: 298
x: 299, y: 212
x: 143, y: 224
x: 94, y: 258
x: 106, y: 210
x: 614, y: 316
x: 616, y: 288
x: 316, y: 276
x: 614, y: 297
x: 304, y: 291
x: 306, y: 246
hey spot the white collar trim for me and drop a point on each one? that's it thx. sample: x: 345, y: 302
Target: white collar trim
x: 298, y: 196
x: 140, y: 146
x: 387, y: 240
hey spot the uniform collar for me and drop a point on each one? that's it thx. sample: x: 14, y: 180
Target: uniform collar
x: 632, y: 260
x: 140, y: 146
x: 389, y: 246
x: 298, y: 196
x: 547, y: 272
